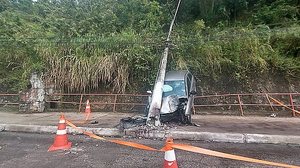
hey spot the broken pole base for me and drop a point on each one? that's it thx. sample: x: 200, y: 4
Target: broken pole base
x: 153, y: 121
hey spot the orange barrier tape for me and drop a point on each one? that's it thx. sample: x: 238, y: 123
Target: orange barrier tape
x: 280, y: 103
x: 90, y: 134
x: 132, y: 144
x: 183, y: 147
x: 228, y: 156
x: 126, y: 143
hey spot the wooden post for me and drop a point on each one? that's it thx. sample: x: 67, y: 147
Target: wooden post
x: 292, y: 104
x: 240, y: 103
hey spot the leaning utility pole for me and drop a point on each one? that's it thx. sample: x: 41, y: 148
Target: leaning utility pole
x: 155, y: 105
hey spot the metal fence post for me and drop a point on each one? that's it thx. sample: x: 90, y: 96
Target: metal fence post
x: 115, y: 101
x: 60, y: 100
x: 292, y: 104
x: 80, y: 103
x: 241, y: 107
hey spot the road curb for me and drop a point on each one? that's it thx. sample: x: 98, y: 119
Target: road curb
x: 215, y: 136
x: 52, y: 129
x: 29, y: 128
x: 208, y: 136
x: 104, y: 131
x: 162, y: 134
x: 273, y: 139
x: 184, y: 135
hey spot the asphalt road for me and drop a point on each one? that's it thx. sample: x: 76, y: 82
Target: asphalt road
x: 21, y: 150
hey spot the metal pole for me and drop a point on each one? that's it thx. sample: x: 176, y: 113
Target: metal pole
x: 292, y: 104
x: 241, y: 107
x: 115, y: 102
x: 80, y: 103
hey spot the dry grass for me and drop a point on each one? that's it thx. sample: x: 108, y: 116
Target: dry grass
x: 72, y: 70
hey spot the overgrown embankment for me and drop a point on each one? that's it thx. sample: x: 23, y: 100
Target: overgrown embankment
x: 88, y: 46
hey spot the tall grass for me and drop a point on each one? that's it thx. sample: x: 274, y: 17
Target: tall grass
x: 89, y: 64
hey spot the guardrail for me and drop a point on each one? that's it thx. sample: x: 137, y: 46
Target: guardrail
x: 262, y: 100
x: 115, y: 102
x: 137, y: 102
x: 9, y: 99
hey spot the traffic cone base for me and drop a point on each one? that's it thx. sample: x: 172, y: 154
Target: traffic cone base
x: 64, y: 147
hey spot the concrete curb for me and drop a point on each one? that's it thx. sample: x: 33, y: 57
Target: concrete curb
x: 184, y: 135
x: 237, y: 137
x: 273, y: 139
x: 53, y: 129
x: 216, y: 137
x: 208, y: 136
x: 29, y: 128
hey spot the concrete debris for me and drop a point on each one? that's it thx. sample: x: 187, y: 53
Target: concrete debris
x: 2, y: 128
x: 74, y: 150
x: 131, y: 122
x: 196, y: 125
x: 94, y: 122
x: 69, y: 152
x: 137, y: 125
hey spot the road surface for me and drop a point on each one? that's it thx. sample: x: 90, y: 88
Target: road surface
x: 23, y: 150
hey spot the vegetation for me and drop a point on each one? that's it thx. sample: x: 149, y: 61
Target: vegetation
x: 89, y: 45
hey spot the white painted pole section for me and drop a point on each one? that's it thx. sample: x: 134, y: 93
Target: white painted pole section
x: 155, y: 105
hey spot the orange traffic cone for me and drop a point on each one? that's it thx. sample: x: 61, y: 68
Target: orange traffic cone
x: 170, y: 159
x: 87, y: 110
x: 61, y: 139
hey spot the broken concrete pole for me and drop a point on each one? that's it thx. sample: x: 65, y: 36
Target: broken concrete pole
x: 155, y: 105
